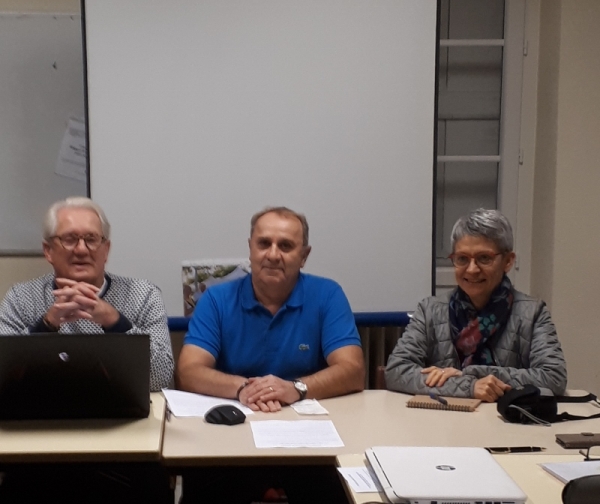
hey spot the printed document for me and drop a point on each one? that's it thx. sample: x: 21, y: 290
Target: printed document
x: 72, y: 157
x: 295, y: 434
x: 360, y: 479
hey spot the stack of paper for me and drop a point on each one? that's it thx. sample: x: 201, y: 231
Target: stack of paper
x: 567, y: 471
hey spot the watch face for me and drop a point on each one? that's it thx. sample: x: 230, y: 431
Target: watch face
x: 300, y: 386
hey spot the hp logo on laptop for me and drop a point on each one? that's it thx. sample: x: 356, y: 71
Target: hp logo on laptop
x: 445, y: 468
x: 64, y: 356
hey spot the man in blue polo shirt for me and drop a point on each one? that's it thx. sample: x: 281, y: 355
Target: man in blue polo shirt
x: 275, y: 336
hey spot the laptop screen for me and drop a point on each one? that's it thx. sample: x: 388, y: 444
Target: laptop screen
x: 55, y: 375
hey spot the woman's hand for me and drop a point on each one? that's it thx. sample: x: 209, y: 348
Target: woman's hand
x: 490, y: 388
x: 436, y: 376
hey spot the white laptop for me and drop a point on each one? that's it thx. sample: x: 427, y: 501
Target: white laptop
x: 432, y: 475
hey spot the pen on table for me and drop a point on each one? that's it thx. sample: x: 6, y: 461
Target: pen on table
x: 438, y: 398
x: 515, y: 449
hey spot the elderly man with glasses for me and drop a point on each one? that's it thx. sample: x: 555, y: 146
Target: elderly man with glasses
x: 80, y: 296
x: 484, y: 337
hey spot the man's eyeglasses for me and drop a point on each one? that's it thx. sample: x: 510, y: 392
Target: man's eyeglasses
x: 482, y: 260
x: 70, y: 241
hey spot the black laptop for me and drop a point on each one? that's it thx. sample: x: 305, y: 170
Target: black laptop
x: 59, y: 376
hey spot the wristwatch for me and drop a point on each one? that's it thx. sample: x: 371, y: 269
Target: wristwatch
x: 301, y: 388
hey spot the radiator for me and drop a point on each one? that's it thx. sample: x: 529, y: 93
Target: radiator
x: 378, y: 343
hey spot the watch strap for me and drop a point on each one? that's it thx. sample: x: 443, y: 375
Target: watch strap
x: 239, y: 390
x: 49, y: 325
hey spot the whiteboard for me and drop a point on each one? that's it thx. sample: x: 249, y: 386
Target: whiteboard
x: 41, y: 87
x: 202, y: 113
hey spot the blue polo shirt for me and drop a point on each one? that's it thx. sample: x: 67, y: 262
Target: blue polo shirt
x: 245, y: 339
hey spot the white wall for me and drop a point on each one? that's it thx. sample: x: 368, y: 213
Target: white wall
x: 228, y: 107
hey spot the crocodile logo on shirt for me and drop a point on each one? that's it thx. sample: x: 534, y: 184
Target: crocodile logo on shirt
x: 303, y: 346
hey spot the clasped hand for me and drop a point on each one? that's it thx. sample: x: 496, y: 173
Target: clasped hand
x: 268, y: 393
x: 79, y: 300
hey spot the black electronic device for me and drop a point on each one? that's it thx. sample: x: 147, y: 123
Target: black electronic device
x: 225, y: 414
x: 60, y: 376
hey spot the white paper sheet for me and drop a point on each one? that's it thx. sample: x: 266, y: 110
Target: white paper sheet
x: 186, y: 404
x: 73, y: 152
x: 295, y: 434
x: 359, y: 479
x: 567, y: 471
x: 309, y: 407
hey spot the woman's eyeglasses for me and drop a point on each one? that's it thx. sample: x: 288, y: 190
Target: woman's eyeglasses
x: 482, y: 260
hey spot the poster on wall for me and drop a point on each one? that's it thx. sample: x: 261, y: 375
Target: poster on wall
x: 198, y: 276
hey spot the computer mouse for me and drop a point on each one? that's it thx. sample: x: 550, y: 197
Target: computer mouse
x: 225, y: 414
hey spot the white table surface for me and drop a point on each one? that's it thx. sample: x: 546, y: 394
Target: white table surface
x: 370, y: 418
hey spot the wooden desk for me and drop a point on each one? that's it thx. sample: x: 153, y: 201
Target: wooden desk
x: 382, y: 418
x: 370, y: 418
x: 539, y: 486
x: 85, y: 440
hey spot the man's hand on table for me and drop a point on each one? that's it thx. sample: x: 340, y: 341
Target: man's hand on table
x: 268, y: 393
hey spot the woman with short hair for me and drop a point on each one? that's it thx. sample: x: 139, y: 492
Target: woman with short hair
x: 484, y: 337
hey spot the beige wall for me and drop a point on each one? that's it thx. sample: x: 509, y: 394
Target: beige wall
x: 567, y: 179
x: 545, y: 156
x: 18, y: 269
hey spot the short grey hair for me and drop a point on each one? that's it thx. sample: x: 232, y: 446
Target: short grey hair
x: 488, y: 224
x: 51, y: 219
x: 284, y: 212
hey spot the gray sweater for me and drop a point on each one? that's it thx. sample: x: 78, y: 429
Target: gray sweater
x: 138, y: 301
x: 527, y: 351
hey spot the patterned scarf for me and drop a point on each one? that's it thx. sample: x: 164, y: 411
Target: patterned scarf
x: 471, y: 329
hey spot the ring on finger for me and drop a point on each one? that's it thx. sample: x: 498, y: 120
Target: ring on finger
x: 271, y: 389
